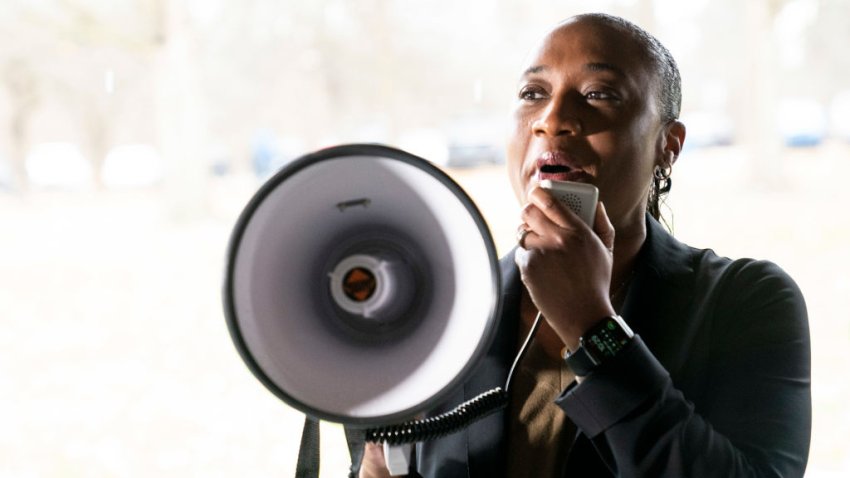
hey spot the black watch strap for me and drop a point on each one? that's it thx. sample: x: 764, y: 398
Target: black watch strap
x: 601, y: 343
x: 580, y: 362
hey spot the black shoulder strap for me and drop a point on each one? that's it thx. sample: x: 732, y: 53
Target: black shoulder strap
x: 308, y: 454
x: 356, y: 438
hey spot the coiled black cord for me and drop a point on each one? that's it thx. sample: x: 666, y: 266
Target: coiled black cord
x: 456, y: 419
x: 441, y: 425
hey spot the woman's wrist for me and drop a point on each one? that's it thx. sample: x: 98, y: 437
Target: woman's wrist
x: 571, y: 329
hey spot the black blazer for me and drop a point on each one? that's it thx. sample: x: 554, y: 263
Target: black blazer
x: 716, y: 384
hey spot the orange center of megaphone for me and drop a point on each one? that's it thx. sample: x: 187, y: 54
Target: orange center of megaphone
x: 359, y: 284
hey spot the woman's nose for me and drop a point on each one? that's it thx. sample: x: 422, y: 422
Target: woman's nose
x: 558, y: 118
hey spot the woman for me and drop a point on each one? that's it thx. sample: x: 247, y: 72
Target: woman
x: 715, y: 380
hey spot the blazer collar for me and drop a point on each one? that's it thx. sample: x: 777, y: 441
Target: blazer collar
x: 660, y: 293
x: 667, y: 258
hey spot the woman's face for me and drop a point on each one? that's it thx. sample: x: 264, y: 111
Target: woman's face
x: 587, y: 110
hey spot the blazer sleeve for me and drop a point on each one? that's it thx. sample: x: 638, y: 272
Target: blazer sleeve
x: 755, y: 415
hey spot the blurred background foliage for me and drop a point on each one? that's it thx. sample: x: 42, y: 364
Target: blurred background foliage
x: 212, y: 83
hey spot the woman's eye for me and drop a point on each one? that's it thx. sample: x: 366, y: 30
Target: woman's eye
x: 531, y: 94
x: 600, y: 95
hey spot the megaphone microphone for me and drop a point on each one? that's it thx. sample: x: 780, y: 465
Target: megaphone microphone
x: 362, y: 285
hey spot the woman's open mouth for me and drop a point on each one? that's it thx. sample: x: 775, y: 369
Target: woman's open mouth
x: 559, y: 172
x: 557, y: 165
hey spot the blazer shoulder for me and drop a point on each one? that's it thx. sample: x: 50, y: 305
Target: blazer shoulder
x: 752, y: 298
x: 746, y: 279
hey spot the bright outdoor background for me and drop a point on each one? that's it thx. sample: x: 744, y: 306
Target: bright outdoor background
x: 132, y: 132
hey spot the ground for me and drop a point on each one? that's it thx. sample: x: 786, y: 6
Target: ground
x: 115, y: 359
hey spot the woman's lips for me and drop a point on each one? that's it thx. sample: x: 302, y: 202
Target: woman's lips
x: 563, y: 174
x: 559, y: 166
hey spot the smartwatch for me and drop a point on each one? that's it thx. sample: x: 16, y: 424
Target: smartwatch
x: 600, y: 344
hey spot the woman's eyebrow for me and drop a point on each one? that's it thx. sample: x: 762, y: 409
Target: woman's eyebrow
x: 534, y: 69
x: 599, y: 66
x: 593, y: 67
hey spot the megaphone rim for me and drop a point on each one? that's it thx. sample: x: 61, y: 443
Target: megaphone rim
x: 336, y: 152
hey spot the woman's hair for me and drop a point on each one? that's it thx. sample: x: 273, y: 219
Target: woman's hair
x: 654, y: 199
x: 669, y: 90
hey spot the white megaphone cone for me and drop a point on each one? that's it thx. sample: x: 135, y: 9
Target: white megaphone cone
x: 362, y: 285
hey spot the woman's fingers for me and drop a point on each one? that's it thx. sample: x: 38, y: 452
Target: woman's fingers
x: 565, y: 266
x: 553, y: 210
x: 373, y: 464
x: 542, y: 231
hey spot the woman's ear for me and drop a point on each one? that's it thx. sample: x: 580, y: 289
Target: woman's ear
x: 674, y: 139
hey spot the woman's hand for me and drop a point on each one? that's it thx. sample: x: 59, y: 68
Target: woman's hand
x: 373, y: 464
x: 566, y: 266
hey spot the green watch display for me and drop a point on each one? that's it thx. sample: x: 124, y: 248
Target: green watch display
x: 601, y: 343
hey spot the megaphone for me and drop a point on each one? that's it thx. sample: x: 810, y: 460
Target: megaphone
x: 362, y: 285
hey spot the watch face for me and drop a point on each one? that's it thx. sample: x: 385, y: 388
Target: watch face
x: 606, y: 339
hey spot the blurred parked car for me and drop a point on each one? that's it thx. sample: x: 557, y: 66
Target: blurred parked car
x: 269, y: 153
x: 707, y: 129
x: 801, y: 122
x: 468, y: 155
x: 132, y: 165
x: 58, y: 164
x: 476, y: 141
x: 5, y: 174
x: 426, y: 143
x: 839, y: 116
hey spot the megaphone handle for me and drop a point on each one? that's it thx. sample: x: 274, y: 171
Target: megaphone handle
x: 397, y: 458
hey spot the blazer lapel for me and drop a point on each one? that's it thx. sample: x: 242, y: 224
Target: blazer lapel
x: 660, y: 295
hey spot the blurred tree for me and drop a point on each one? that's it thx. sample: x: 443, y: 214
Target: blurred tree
x: 22, y: 86
x: 332, y: 70
x: 71, y: 46
x: 759, y: 103
x: 180, y: 111
x: 826, y: 71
